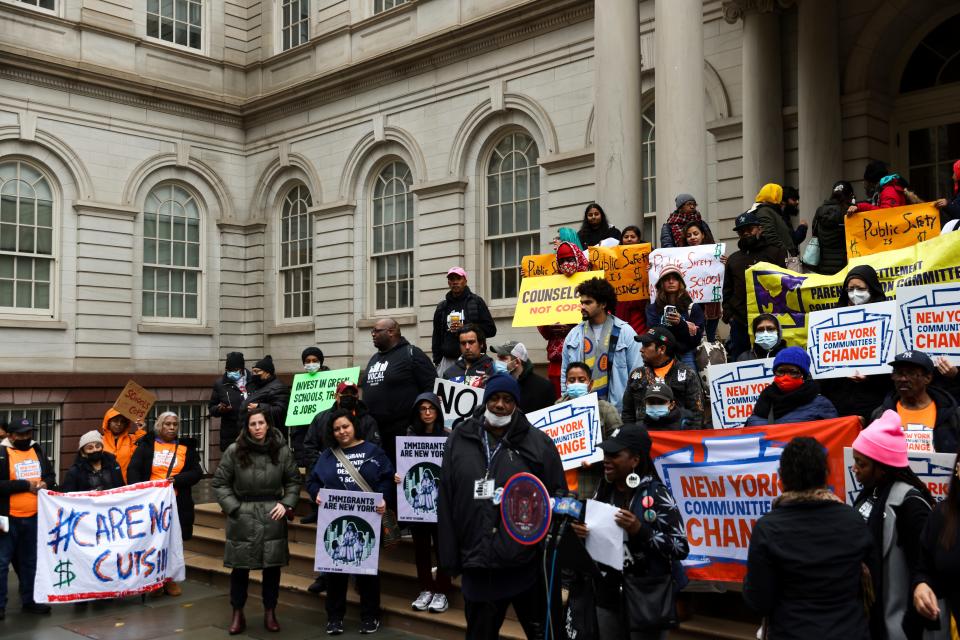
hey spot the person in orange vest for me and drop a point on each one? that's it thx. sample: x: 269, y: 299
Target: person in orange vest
x: 120, y: 437
x: 24, y: 470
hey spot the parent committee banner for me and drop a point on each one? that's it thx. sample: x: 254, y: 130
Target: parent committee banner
x: 623, y: 266
x: 871, y: 232
x: 934, y: 469
x: 724, y: 481
x: 734, y: 389
x: 790, y: 296
x: 701, y: 268
x: 550, y: 299
x: 418, y: 464
x: 312, y: 393
x: 457, y: 400
x: 574, y: 427
x: 93, y: 545
x: 851, y: 340
x: 348, y: 532
x: 930, y: 320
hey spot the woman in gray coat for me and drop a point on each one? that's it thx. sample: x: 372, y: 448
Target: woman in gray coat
x: 257, y: 486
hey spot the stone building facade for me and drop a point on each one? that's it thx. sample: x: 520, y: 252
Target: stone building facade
x: 184, y: 178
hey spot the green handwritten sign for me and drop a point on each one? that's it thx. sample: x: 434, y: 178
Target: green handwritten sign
x: 315, y: 392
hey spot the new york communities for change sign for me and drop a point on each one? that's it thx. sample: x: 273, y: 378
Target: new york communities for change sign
x: 574, y: 427
x: 930, y: 320
x: 851, y: 340
x: 734, y: 389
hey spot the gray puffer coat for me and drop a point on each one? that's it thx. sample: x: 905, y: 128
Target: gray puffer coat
x: 247, y: 494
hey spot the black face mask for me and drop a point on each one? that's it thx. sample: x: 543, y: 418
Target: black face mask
x: 96, y: 456
x: 348, y: 402
x: 748, y: 243
x: 22, y: 445
x: 789, y: 210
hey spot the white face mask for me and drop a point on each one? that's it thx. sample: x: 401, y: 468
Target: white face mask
x: 312, y: 367
x: 859, y: 296
x: 496, y: 421
x: 767, y: 339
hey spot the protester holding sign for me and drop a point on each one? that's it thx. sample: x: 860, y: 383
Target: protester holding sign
x: 266, y: 392
x: 674, y: 309
x: 895, y: 504
x: 347, y: 398
x: 257, y: 485
x: 24, y: 470
x: 805, y: 564
x: 94, y: 469
x: 459, y: 307
x: 312, y: 359
x: 164, y: 456
x: 885, y: 189
x: 595, y: 228
x: 697, y: 233
x: 767, y: 339
x: 633, y: 312
x: 485, y: 451
x: 120, y: 438
x: 660, y: 365
x: 570, y: 259
x: 793, y: 396
x: 228, y: 396
x: 348, y: 457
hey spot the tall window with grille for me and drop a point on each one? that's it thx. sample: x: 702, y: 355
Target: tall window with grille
x: 648, y: 176
x: 295, y: 23
x: 380, y: 6
x: 50, y: 5
x: 176, y: 21
x: 194, y: 423
x: 393, y: 237
x: 26, y: 239
x: 513, y: 211
x: 932, y: 152
x: 46, y: 427
x: 296, y: 253
x: 171, y: 254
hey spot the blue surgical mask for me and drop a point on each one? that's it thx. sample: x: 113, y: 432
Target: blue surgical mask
x: 577, y: 389
x: 657, y: 411
x: 234, y: 375
x: 767, y: 339
x: 500, y: 367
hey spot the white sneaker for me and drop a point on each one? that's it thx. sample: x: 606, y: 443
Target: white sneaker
x: 439, y: 604
x: 423, y: 601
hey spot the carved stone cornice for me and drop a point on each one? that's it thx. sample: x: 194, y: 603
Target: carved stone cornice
x: 733, y: 10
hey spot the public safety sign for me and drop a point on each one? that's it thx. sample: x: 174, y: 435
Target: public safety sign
x: 870, y: 232
x: 312, y: 393
x: 701, y: 268
x: 348, y: 532
x: 930, y: 320
x: 93, y: 545
x: 418, y: 464
x: 550, y: 299
x: 574, y: 427
x: 626, y: 267
x: 456, y: 400
x: 734, y: 389
x: 850, y: 341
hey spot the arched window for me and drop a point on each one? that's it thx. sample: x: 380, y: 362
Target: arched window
x: 26, y: 238
x: 648, y: 175
x: 171, y: 254
x: 296, y: 253
x: 513, y: 211
x: 393, y: 238
x: 936, y: 60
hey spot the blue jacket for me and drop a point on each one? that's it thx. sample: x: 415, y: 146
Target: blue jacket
x: 626, y: 358
x: 819, y: 409
x: 372, y: 463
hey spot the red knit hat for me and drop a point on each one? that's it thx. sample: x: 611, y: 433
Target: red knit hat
x: 565, y: 251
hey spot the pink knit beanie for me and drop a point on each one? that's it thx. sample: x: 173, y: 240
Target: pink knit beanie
x: 884, y: 441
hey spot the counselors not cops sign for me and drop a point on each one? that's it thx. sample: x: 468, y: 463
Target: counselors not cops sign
x: 550, y: 299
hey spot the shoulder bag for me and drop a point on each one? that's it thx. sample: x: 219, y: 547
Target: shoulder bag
x: 391, y: 529
x: 648, y: 602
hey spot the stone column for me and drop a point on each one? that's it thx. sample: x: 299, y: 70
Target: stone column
x: 616, y: 111
x: 762, y: 103
x: 818, y: 105
x: 681, y: 129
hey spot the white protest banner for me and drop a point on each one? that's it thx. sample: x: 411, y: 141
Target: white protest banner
x: 418, y: 465
x: 734, y: 389
x: 933, y: 469
x: 456, y: 400
x: 107, y: 544
x: 851, y: 340
x: 348, y: 532
x: 574, y: 427
x: 930, y: 320
x: 701, y: 268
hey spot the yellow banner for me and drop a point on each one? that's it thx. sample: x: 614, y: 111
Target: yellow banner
x: 791, y: 296
x: 886, y: 229
x: 550, y: 299
x: 626, y: 267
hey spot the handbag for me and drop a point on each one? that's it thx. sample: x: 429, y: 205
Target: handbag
x: 390, y: 534
x: 811, y: 254
x: 648, y: 602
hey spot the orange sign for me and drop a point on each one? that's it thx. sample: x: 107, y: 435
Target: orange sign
x: 626, y: 267
x: 134, y: 402
x: 871, y: 232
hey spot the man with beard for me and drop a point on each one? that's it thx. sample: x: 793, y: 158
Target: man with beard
x: 602, y: 341
x: 754, y: 248
x: 789, y: 208
x: 474, y: 366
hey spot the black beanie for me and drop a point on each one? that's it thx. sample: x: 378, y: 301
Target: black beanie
x: 234, y: 361
x: 311, y: 351
x: 265, y: 365
x: 875, y: 171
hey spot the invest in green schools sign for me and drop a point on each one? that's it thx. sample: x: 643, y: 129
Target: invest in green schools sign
x: 315, y: 392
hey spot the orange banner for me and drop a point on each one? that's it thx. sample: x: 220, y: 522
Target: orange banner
x: 723, y: 481
x: 871, y: 232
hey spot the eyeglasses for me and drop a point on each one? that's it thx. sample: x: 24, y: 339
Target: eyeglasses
x: 793, y: 373
x: 428, y: 409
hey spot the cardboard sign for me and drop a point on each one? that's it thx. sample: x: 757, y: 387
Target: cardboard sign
x: 348, y: 532
x: 456, y: 400
x: 550, y: 299
x: 934, y: 469
x: 724, y: 481
x: 734, y: 389
x: 543, y: 264
x: 94, y: 545
x: 574, y: 427
x: 930, y: 320
x: 791, y: 296
x: 871, y: 232
x: 851, y: 340
x: 418, y: 464
x: 312, y: 393
x: 701, y: 268
x: 625, y: 267
x: 134, y: 402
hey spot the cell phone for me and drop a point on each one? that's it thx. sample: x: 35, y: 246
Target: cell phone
x: 669, y: 309
x: 4, y: 524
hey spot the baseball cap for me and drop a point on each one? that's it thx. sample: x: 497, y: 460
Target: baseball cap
x: 20, y: 425
x: 629, y: 436
x: 659, y: 390
x: 745, y: 220
x: 658, y: 335
x: 457, y: 271
x: 346, y: 384
x: 916, y: 358
x: 512, y: 348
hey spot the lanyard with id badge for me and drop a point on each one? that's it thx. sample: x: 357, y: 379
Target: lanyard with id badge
x: 484, y: 489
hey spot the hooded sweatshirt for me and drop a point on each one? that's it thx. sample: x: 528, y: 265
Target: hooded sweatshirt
x: 417, y: 428
x: 757, y: 352
x: 122, y: 446
x: 393, y: 380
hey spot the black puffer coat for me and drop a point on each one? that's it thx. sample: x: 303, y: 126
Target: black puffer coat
x: 829, y: 228
x: 272, y: 396
x: 81, y: 476
x: 226, y: 391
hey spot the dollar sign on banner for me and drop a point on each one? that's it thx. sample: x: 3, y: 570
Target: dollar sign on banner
x: 64, y: 574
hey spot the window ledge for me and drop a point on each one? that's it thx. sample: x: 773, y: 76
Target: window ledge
x: 503, y: 312
x: 14, y: 323
x: 292, y: 327
x: 404, y: 320
x: 175, y: 329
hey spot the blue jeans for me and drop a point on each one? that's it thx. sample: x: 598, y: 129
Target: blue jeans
x: 689, y: 358
x: 20, y: 543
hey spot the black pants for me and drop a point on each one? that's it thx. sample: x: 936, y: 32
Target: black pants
x: 336, y: 602
x: 424, y: 543
x: 240, y: 582
x: 484, y: 618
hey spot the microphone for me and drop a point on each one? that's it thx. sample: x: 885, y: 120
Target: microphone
x: 566, y: 508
